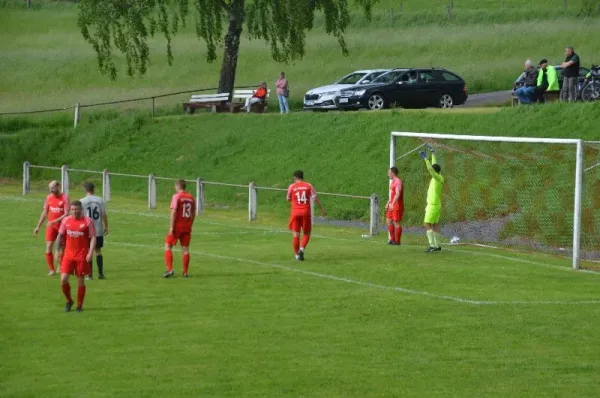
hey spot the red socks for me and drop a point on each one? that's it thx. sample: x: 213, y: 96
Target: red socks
x: 305, y: 240
x: 169, y: 260
x: 296, y: 242
x: 80, y: 296
x: 50, y: 261
x: 398, y: 234
x: 391, y: 231
x: 186, y: 262
x: 66, y: 289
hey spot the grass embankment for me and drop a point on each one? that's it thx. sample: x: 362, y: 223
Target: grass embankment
x: 45, y: 63
x: 344, y: 153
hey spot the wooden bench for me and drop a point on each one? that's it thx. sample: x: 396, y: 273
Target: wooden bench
x: 549, y: 96
x: 242, y: 95
x: 213, y: 102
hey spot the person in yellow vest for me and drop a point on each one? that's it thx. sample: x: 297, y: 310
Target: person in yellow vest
x: 547, y: 80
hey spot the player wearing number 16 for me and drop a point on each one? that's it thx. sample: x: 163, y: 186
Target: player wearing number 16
x: 300, y: 194
x: 183, y: 213
x: 94, y: 209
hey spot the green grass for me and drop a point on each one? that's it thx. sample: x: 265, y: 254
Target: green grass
x: 343, y: 153
x: 252, y: 322
x: 46, y: 64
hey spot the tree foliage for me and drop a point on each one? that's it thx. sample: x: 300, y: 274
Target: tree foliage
x: 126, y: 25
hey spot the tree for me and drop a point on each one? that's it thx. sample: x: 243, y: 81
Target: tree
x: 126, y: 25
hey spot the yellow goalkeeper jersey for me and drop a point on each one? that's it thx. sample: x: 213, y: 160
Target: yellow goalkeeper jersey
x: 434, y: 193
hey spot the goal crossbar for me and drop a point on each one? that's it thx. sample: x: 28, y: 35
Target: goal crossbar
x: 568, y: 141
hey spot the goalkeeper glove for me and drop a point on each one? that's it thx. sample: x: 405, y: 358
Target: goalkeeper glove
x: 431, y: 149
x: 423, y: 155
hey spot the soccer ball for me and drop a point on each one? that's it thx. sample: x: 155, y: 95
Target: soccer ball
x: 455, y: 240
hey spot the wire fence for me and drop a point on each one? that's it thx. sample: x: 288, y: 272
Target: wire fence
x: 157, y: 191
x: 77, y: 108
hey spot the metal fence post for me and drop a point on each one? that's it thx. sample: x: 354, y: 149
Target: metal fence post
x: 199, y: 196
x: 26, y: 178
x: 64, y: 178
x: 312, y: 210
x: 77, y: 115
x: 151, y: 192
x: 106, y: 186
x: 252, y: 201
x: 152, y: 106
x: 374, y: 216
x: 28, y: 3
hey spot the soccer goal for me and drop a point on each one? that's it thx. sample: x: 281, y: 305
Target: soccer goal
x: 514, y: 192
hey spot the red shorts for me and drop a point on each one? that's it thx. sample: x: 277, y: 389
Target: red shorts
x: 52, y: 232
x: 394, y: 215
x: 300, y: 222
x: 74, y: 265
x: 183, y: 238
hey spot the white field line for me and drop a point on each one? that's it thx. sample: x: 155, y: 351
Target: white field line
x: 282, y: 231
x: 456, y: 299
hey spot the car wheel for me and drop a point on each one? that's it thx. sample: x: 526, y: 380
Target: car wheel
x: 376, y: 102
x: 446, y: 101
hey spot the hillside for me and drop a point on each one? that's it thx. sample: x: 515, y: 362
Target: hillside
x: 343, y: 153
x: 46, y: 64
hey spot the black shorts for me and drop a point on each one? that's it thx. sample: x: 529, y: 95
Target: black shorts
x: 99, y: 242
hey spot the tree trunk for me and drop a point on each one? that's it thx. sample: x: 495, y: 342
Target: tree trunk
x: 232, y: 47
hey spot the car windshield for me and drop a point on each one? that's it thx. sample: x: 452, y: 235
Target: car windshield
x: 389, y: 76
x: 352, y: 78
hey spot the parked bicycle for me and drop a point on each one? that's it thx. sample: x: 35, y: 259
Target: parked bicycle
x: 590, y: 89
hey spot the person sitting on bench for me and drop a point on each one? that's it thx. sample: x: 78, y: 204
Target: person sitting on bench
x: 525, y: 93
x: 259, y: 96
x: 547, y: 80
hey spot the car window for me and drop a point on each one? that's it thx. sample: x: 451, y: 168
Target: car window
x: 352, y: 78
x: 449, y: 77
x: 389, y: 77
x: 371, y: 77
x: 425, y: 76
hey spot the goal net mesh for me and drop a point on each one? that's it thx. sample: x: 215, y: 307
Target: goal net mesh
x: 518, y: 195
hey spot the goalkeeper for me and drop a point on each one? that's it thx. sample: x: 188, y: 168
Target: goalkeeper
x: 434, y: 201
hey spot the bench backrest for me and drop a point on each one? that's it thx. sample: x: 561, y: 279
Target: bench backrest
x: 210, y: 97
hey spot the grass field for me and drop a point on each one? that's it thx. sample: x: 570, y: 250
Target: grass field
x: 357, y: 319
x: 46, y: 64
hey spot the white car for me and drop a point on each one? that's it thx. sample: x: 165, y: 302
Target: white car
x: 322, y: 98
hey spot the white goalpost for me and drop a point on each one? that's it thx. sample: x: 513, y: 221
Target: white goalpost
x: 491, y: 178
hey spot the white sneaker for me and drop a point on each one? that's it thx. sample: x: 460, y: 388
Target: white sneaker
x: 297, y: 257
x: 51, y: 272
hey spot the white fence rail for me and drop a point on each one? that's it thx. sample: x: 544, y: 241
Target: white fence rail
x: 200, y: 189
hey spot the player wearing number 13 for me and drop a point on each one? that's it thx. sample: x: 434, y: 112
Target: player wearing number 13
x: 299, y: 194
x: 183, y: 213
x: 94, y: 209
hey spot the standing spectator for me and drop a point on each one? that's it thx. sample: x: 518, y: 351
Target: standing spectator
x: 547, y: 80
x: 283, y: 92
x: 259, y: 96
x: 570, y: 75
x: 529, y: 79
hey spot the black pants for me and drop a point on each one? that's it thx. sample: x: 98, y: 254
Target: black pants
x: 538, y: 94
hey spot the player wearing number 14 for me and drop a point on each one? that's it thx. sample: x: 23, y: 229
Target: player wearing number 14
x: 299, y: 194
x: 94, y: 209
x: 183, y: 213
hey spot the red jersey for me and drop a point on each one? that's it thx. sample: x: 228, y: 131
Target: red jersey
x: 185, y: 208
x: 300, y: 193
x: 56, y: 206
x: 395, y: 188
x: 77, y: 232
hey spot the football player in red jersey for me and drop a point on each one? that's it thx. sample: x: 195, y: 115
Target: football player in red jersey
x: 395, y: 207
x: 80, y: 241
x: 56, y: 208
x: 183, y: 213
x: 300, y: 194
